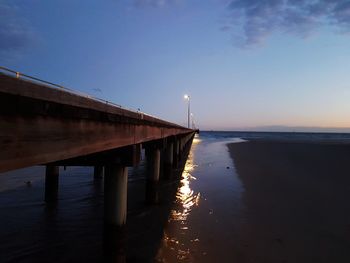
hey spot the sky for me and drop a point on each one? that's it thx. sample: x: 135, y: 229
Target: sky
x: 246, y: 64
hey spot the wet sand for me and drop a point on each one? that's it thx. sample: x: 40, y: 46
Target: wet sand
x: 296, y: 201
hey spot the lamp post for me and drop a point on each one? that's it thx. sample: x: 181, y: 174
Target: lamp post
x: 192, y: 122
x: 187, y: 97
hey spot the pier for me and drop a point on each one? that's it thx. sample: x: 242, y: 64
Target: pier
x: 45, y: 124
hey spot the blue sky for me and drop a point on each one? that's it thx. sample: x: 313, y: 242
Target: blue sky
x: 247, y: 64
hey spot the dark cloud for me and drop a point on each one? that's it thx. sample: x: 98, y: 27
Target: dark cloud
x: 15, y: 33
x: 257, y: 19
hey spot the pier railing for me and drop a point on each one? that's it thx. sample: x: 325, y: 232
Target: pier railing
x: 20, y: 75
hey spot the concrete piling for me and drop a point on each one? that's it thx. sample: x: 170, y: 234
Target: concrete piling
x: 51, y: 183
x: 176, y: 153
x: 153, y: 164
x: 98, y: 172
x: 115, y: 194
x: 161, y: 156
x: 168, y: 160
x: 169, y: 154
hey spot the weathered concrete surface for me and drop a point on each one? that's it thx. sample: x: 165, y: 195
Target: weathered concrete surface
x: 40, y: 124
x: 115, y: 194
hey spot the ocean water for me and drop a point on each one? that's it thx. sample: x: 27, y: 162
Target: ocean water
x: 286, y: 136
x: 193, y: 219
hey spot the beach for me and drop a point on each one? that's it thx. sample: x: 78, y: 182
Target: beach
x: 259, y: 201
x: 296, y: 201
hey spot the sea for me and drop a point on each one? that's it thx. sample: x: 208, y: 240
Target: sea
x: 191, y: 216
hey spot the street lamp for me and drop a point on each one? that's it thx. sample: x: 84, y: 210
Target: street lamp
x: 187, y: 97
x: 192, y: 122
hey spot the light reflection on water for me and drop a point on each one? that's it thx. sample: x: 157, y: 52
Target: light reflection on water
x: 186, y: 200
x: 200, y: 228
x: 207, y: 212
x: 185, y: 196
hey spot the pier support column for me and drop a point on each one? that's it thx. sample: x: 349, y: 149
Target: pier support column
x: 98, y: 172
x: 153, y: 164
x: 51, y: 183
x: 176, y: 153
x: 169, y: 154
x: 115, y: 194
x: 181, y: 148
x: 168, y: 160
x: 153, y: 174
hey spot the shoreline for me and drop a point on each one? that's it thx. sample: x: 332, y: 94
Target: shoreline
x: 296, y: 201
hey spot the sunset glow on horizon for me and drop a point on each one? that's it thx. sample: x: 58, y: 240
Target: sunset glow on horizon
x: 247, y: 65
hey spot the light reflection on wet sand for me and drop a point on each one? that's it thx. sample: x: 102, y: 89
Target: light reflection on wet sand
x: 186, y: 199
x: 203, y: 220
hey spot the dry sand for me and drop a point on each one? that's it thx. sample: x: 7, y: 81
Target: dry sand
x: 296, y: 199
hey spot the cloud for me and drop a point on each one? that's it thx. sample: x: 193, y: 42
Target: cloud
x: 15, y: 32
x: 255, y: 20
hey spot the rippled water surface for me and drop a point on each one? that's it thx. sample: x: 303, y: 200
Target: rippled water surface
x: 194, y: 219
x: 191, y: 219
x: 188, y: 222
